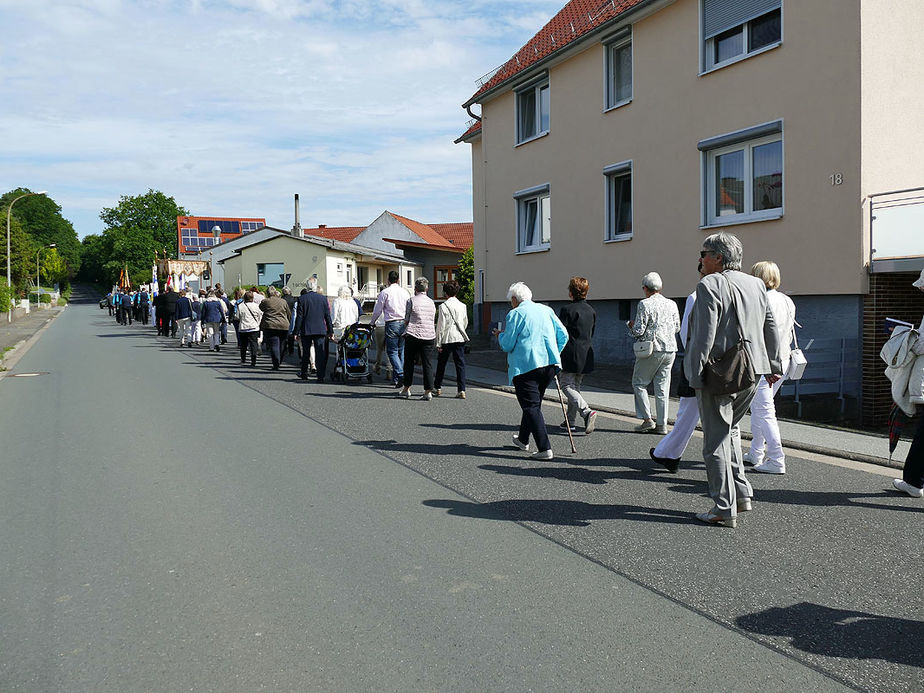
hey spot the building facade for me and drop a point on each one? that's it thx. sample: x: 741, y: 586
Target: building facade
x: 647, y: 125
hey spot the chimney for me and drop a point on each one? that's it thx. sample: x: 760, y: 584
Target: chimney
x: 297, y: 229
x: 322, y: 226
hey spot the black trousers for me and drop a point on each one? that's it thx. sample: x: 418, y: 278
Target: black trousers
x: 413, y: 348
x: 276, y: 339
x: 144, y: 310
x: 168, y: 325
x: 320, y: 354
x: 245, y: 341
x: 914, y: 464
x: 530, y: 388
x: 125, y: 315
x: 457, y: 351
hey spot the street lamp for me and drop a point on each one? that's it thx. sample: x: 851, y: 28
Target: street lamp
x: 9, y: 275
x: 38, y: 276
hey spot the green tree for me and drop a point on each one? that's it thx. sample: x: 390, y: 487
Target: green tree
x: 43, y: 224
x: 152, y: 213
x: 23, y: 257
x: 94, y: 252
x: 54, y: 269
x: 466, y: 277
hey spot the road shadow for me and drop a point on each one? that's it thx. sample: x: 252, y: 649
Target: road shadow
x: 470, y: 426
x: 557, y: 512
x: 430, y: 449
x: 833, y: 498
x: 843, y: 633
x: 580, y: 474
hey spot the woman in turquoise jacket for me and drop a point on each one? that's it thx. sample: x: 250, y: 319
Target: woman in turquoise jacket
x: 533, y: 338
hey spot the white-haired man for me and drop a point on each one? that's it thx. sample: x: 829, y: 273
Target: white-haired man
x: 730, y: 306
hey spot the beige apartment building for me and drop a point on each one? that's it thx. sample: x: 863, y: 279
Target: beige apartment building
x: 625, y: 132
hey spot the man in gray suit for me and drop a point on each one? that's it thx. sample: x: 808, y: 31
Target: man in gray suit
x: 713, y: 330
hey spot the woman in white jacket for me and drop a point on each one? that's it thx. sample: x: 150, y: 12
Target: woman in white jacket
x: 766, y: 453
x: 451, y: 323
x: 249, y: 327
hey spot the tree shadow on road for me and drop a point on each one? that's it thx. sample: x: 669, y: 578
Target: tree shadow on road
x: 557, y: 512
x: 845, y: 633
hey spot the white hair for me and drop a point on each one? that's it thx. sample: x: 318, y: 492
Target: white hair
x: 520, y: 291
x: 312, y: 283
x: 344, y: 292
x: 652, y: 281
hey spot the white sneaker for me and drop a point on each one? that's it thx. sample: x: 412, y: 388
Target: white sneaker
x: 437, y: 392
x: 543, y: 455
x: 645, y: 426
x: 517, y: 442
x: 770, y: 467
x: 590, y: 422
x: 904, y: 487
x: 405, y: 394
x: 426, y: 397
x: 751, y: 460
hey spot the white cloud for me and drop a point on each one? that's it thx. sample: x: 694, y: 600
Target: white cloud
x: 231, y: 107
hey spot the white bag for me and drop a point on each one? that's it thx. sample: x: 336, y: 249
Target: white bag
x: 797, y: 360
x: 643, y: 349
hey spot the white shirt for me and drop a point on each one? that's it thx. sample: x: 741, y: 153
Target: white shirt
x: 685, y: 321
x: 345, y: 313
x: 392, y: 303
x: 451, y: 322
x: 784, y: 315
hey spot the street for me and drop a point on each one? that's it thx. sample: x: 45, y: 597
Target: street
x: 172, y: 520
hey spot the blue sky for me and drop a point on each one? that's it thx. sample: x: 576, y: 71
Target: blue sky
x: 232, y: 107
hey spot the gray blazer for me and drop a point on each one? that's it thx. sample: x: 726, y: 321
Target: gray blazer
x: 714, y: 326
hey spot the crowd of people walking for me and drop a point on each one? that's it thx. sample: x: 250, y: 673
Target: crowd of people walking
x: 736, y: 334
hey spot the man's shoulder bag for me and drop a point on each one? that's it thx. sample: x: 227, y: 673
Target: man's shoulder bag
x: 733, y: 371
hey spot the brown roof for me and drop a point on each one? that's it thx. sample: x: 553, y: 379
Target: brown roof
x: 474, y: 129
x: 337, y: 233
x: 460, y: 234
x: 576, y: 19
x: 426, y: 233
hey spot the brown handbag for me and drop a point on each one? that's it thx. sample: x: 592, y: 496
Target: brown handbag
x: 733, y: 371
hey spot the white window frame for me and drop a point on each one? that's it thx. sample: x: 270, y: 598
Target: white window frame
x: 610, y: 175
x: 708, y: 63
x: 622, y: 40
x: 534, y: 86
x: 541, y: 195
x: 737, y: 142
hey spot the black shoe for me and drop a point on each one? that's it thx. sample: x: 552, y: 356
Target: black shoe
x: 302, y: 376
x: 217, y: 348
x: 669, y: 463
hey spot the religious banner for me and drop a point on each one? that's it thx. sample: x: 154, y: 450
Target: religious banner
x: 184, y: 267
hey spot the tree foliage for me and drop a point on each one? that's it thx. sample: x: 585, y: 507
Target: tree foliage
x: 41, y: 221
x: 466, y: 277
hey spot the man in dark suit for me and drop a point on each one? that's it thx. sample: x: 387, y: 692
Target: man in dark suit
x: 719, y: 320
x: 168, y: 310
x: 313, y: 326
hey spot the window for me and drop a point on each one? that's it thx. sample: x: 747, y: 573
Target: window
x: 744, y: 175
x: 734, y: 29
x: 534, y: 219
x: 618, y: 201
x: 271, y: 273
x: 410, y: 277
x: 619, y: 71
x: 533, y: 110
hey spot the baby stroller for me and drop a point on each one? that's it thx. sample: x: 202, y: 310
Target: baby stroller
x: 352, y: 353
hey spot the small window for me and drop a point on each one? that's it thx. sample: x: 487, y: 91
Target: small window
x: 618, y: 201
x: 733, y: 29
x: 745, y: 180
x: 533, y: 108
x: 618, y: 72
x: 534, y: 219
x: 410, y: 277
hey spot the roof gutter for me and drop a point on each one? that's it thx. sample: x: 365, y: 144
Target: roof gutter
x: 645, y: 4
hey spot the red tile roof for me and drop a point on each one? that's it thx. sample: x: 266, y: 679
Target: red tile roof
x: 427, y: 234
x: 574, y: 20
x: 337, y: 233
x: 460, y: 234
x: 474, y: 129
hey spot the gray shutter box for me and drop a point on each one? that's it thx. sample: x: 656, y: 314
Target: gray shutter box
x: 720, y: 15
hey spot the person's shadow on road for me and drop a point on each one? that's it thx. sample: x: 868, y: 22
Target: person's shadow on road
x: 557, y: 512
x: 845, y: 633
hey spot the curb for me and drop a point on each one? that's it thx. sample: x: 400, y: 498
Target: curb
x: 20, y: 348
x: 792, y: 444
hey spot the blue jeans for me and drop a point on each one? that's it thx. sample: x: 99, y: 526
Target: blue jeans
x: 394, y: 348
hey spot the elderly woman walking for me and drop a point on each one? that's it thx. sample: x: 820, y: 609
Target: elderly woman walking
x: 451, y: 322
x: 577, y: 358
x: 419, y: 337
x: 655, y: 328
x: 533, y: 338
x: 275, y: 323
x: 249, y: 318
x: 345, y: 311
x: 214, y: 314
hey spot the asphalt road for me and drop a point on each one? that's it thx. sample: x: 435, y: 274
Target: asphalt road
x: 171, y: 520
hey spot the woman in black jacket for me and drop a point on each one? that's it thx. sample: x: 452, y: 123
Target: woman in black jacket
x: 577, y: 358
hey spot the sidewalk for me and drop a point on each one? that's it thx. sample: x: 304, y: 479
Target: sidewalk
x: 612, y: 393
x: 14, y: 335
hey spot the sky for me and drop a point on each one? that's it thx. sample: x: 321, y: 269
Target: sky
x: 232, y: 107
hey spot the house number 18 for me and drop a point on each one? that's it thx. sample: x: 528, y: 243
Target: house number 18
x: 837, y: 178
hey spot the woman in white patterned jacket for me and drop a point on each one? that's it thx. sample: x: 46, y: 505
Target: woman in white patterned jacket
x: 657, y: 321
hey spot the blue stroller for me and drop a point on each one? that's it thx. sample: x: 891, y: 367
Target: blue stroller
x: 353, y: 354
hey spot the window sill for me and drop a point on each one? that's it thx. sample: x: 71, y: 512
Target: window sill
x: 618, y: 104
x: 531, y: 251
x: 532, y: 139
x: 738, y: 222
x: 738, y: 59
x: 618, y: 239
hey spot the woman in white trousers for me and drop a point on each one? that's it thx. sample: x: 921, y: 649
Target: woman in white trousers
x: 766, y: 453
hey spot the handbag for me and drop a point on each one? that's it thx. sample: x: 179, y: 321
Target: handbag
x: 643, y: 348
x: 797, y: 360
x: 733, y: 371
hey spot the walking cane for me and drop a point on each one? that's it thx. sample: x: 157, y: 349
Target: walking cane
x: 567, y: 423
